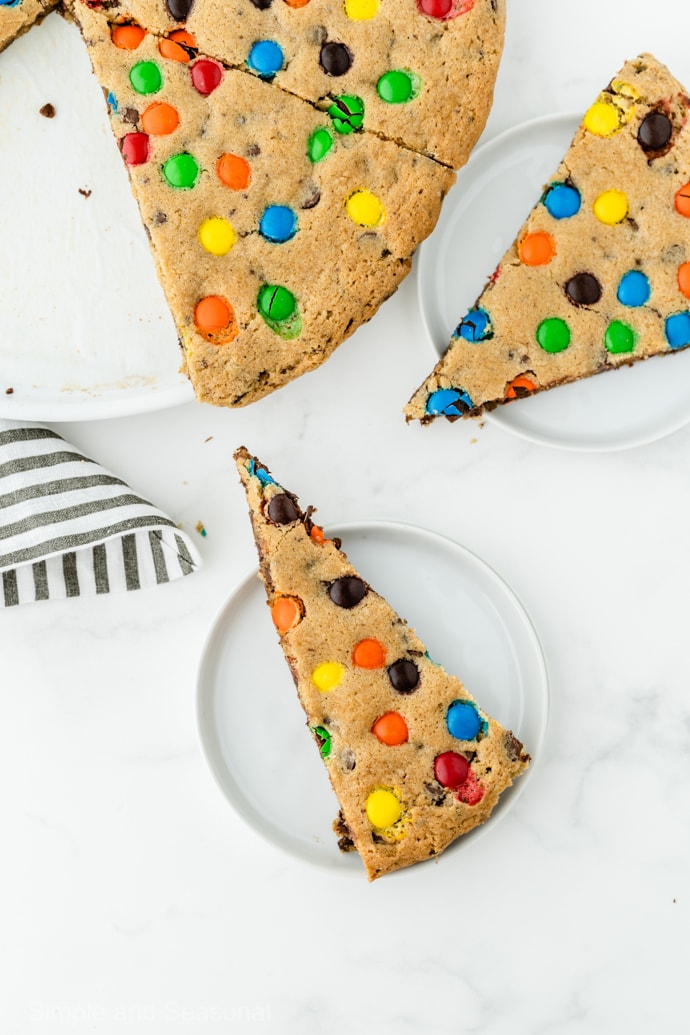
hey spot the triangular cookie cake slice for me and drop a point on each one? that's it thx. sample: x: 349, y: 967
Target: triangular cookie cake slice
x: 599, y: 275
x: 413, y: 759
x: 275, y: 235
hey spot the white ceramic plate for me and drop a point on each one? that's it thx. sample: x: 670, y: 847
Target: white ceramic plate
x: 252, y: 726
x: 85, y: 331
x: 482, y: 214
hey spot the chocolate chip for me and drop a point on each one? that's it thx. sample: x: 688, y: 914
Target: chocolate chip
x: 130, y: 115
x: 313, y: 199
x: 263, y: 5
x: 655, y: 131
x: 347, y: 591
x: 253, y: 150
x: 404, y: 676
x: 47, y: 111
x: 348, y: 759
x: 513, y: 746
x: 9, y: 391
x: 335, y: 58
x: 159, y: 218
x: 179, y: 9
x: 583, y: 289
x: 282, y: 510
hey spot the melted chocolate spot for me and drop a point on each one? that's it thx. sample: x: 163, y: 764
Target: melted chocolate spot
x: 313, y: 199
x: 583, y: 289
x: 655, y: 131
x: 347, y: 591
x: 404, y: 676
x: 179, y: 9
x: 263, y: 5
x: 282, y: 510
x: 335, y: 59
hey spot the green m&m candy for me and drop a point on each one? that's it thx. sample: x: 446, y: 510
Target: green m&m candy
x: 280, y: 311
x: 319, y: 144
x: 398, y: 86
x: 553, y: 334
x: 181, y: 171
x: 146, y: 77
x: 347, y: 112
x: 619, y: 337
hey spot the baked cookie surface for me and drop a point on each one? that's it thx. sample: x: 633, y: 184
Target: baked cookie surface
x: 599, y: 274
x: 275, y: 236
x: 423, y: 71
x: 413, y: 759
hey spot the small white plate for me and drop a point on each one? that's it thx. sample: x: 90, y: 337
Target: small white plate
x: 484, y: 211
x: 252, y: 726
x: 85, y: 331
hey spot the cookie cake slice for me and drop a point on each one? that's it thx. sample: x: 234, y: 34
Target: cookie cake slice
x: 413, y: 759
x: 275, y: 233
x: 599, y: 275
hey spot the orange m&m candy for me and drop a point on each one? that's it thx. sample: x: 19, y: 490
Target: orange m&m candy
x: 177, y: 46
x: 537, y: 249
x: 286, y: 613
x: 684, y: 279
x: 519, y: 387
x: 233, y: 171
x: 215, y: 319
x: 127, y: 37
x: 683, y: 200
x: 159, y: 119
x: 369, y: 654
x: 390, y: 729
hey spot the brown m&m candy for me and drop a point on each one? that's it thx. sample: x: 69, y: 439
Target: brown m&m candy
x: 347, y: 591
x: 282, y: 510
x: 583, y: 289
x: 655, y: 131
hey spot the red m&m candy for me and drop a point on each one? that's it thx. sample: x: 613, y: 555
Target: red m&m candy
x: 135, y: 148
x: 451, y: 769
x: 206, y: 76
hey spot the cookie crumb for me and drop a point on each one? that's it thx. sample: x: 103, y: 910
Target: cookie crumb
x: 85, y: 192
x: 9, y: 391
x: 200, y: 529
x: 208, y: 439
x: 47, y: 111
x: 473, y: 441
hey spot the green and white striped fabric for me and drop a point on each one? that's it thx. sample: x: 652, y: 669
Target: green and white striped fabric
x: 69, y: 528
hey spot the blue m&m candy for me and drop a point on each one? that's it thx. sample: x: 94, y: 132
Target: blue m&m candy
x: 562, y: 200
x: 634, y: 289
x: 448, y: 402
x: 678, y: 330
x: 475, y: 326
x: 265, y: 58
x: 278, y: 224
x: 464, y: 721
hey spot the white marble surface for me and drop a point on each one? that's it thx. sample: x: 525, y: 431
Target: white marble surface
x: 134, y: 900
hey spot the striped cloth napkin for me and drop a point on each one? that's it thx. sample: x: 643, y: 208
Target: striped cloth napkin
x: 69, y: 528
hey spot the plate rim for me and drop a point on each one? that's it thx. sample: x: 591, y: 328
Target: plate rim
x: 499, y: 415
x: 243, y: 807
x: 133, y: 402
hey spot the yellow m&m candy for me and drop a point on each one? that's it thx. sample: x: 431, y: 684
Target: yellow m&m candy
x: 217, y: 235
x: 383, y: 808
x: 327, y: 676
x: 365, y: 209
x: 602, y: 119
x: 611, y: 207
x: 361, y: 10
